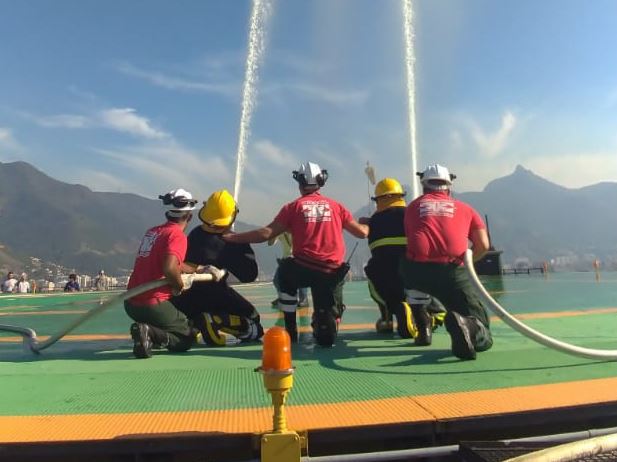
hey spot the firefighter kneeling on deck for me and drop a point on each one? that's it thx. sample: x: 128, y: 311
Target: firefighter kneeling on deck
x: 387, y: 243
x: 214, y: 307
x: 438, y: 229
x: 316, y: 225
x: 158, y: 322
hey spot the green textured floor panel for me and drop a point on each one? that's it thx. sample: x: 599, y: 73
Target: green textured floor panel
x: 102, y: 376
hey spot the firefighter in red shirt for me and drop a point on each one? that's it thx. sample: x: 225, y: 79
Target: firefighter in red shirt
x: 316, y: 225
x: 438, y: 229
x: 158, y: 323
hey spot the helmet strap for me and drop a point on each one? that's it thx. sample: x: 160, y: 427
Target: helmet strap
x: 214, y: 229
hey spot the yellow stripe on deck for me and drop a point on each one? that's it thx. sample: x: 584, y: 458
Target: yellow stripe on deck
x: 388, y: 411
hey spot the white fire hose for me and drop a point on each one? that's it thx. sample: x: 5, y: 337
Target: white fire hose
x: 528, y: 331
x: 29, y: 335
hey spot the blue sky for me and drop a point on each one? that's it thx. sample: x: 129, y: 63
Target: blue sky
x: 144, y: 96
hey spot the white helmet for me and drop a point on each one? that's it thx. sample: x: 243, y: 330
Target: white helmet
x: 178, y: 201
x: 310, y: 174
x: 436, y: 177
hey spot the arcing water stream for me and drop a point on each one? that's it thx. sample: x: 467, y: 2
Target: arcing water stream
x: 257, y: 42
x: 410, y: 61
x: 256, y: 46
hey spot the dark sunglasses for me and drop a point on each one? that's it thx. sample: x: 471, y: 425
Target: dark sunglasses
x: 179, y: 202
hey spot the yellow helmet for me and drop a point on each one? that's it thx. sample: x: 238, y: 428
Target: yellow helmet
x: 388, y: 186
x: 219, y: 210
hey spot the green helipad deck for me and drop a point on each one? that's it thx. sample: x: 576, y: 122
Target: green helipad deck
x: 368, y: 392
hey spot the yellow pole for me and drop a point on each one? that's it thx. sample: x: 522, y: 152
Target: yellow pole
x: 281, y: 444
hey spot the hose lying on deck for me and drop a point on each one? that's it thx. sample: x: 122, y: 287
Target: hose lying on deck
x: 578, y: 450
x: 29, y: 335
x: 528, y: 331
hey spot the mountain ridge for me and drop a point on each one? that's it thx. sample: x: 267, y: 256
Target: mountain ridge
x: 91, y: 230
x: 531, y: 217
x: 76, y: 227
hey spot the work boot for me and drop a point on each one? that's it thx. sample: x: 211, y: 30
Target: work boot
x: 384, y: 326
x: 260, y: 331
x: 437, y: 312
x: 209, y: 329
x: 251, y: 330
x: 325, y: 328
x: 483, y: 339
x: 291, y: 325
x: 159, y: 337
x: 405, y: 325
x: 462, y: 331
x: 424, y: 325
x: 437, y: 320
x: 142, y: 347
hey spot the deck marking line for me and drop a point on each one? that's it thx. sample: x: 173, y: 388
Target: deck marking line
x: 407, y: 409
x: 342, y: 327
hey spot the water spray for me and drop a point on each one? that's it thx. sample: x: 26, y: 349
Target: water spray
x: 256, y: 47
x: 526, y: 330
x: 410, y: 62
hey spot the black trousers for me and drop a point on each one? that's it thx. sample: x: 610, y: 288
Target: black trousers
x: 302, y: 291
x: 216, y: 298
x: 326, y: 288
x: 387, y: 288
x: 451, y: 285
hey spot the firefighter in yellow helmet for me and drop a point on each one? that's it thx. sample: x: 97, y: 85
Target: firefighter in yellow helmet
x: 387, y: 243
x: 216, y: 307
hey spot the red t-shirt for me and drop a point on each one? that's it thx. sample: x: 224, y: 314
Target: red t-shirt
x: 438, y: 228
x: 316, y: 226
x: 162, y: 240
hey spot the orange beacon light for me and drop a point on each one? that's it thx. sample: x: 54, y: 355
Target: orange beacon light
x: 277, y: 351
x: 281, y: 444
x: 278, y: 372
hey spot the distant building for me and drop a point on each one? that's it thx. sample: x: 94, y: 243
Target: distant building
x: 522, y: 263
x: 84, y: 281
x: 562, y: 261
x: 122, y: 281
